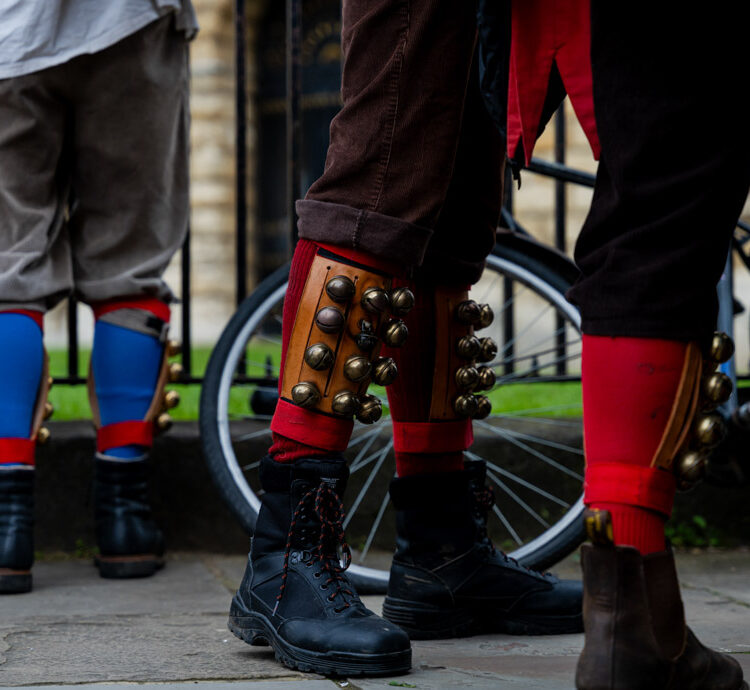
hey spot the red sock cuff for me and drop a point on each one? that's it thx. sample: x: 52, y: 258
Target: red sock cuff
x: 644, y: 487
x: 17, y: 451
x: 150, y: 304
x: 432, y: 437
x: 139, y: 433
x: 311, y: 428
x: 287, y: 450
x: 365, y: 259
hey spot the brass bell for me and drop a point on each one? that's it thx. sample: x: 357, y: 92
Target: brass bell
x: 329, y: 320
x: 690, y: 467
x: 468, y: 312
x: 370, y: 409
x: 717, y: 388
x: 487, y: 350
x: 486, y: 316
x: 171, y: 399
x: 163, y: 422
x: 484, y: 407
x: 305, y: 394
x: 402, y: 301
x: 175, y: 371
x: 49, y: 408
x: 375, y: 300
x: 467, y: 347
x: 395, y: 333
x: 722, y: 348
x: 345, y: 403
x: 173, y: 348
x: 357, y: 368
x: 710, y: 430
x: 42, y: 436
x: 319, y: 357
x: 467, y: 378
x: 487, y: 378
x: 384, y: 371
x: 340, y: 288
x: 465, y: 405
x: 366, y: 339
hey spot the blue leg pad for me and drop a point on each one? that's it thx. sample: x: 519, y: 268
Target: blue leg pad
x: 21, y: 363
x: 126, y: 367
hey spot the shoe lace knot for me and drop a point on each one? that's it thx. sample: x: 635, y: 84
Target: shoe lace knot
x: 323, y: 514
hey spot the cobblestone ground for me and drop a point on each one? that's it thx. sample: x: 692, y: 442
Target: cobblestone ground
x: 170, y: 630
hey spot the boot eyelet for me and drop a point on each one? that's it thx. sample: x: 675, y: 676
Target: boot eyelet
x: 324, y: 586
x: 330, y: 597
x: 316, y: 573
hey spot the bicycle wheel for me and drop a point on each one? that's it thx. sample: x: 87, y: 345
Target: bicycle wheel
x: 532, y: 442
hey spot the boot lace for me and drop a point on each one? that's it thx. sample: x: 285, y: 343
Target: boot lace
x: 329, y: 517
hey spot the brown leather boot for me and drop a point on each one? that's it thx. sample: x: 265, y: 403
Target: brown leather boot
x: 636, y: 637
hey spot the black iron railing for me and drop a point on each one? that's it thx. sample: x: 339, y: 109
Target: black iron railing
x: 294, y: 16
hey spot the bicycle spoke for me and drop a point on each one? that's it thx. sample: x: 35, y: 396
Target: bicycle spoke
x: 536, y: 353
x: 519, y: 500
x: 507, y: 525
x: 374, y: 528
x: 536, y: 453
x: 527, y: 328
x: 251, y: 466
x: 520, y: 376
x: 357, y: 463
x: 252, y: 435
x: 383, y: 453
x: 533, y: 410
x: 523, y: 482
x: 536, y: 439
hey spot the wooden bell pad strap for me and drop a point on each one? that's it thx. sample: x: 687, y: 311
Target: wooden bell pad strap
x: 677, y: 431
x: 341, y: 342
x: 40, y: 411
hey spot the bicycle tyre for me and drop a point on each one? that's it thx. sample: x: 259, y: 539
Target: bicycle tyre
x: 544, y: 271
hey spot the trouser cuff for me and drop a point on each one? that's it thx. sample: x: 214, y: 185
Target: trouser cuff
x: 385, y: 237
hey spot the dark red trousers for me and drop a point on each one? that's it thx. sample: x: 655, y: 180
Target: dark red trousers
x: 413, y: 168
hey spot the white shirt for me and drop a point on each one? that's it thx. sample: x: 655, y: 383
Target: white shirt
x: 36, y: 34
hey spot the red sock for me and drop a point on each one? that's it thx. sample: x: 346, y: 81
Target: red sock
x: 629, y: 387
x: 410, y: 395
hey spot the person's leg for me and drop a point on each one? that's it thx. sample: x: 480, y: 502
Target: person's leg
x: 34, y: 274
x: 130, y: 151
x: 364, y: 228
x: 673, y: 176
x: 447, y: 579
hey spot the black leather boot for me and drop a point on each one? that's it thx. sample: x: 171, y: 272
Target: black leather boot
x: 636, y: 636
x: 130, y: 544
x: 295, y: 595
x: 16, y: 530
x: 448, y: 580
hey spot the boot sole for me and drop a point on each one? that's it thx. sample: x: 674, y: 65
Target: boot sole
x: 256, y: 630
x: 425, y: 622
x: 125, y: 567
x: 14, y: 581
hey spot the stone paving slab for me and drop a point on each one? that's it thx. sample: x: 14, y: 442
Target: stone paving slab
x: 78, y: 628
